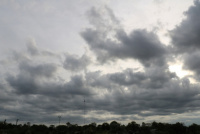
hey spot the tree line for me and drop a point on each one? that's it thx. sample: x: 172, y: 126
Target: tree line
x: 105, y: 128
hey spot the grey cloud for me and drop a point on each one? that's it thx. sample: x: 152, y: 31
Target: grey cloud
x: 41, y: 70
x: 33, y: 80
x: 151, y: 78
x: 34, y: 51
x: 77, y: 86
x: 97, y: 80
x: 158, y: 77
x: 140, y: 44
x: 23, y: 84
x: 185, y: 37
x: 76, y: 63
x: 38, y: 97
x: 32, y: 54
x: 26, y: 82
x: 128, y: 77
x: 103, y: 19
x: 171, y: 99
x: 192, y: 62
x: 31, y: 47
x: 186, y: 41
x: 19, y: 57
x: 174, y: 96
x: 6, y: 95
x: 30, y: 114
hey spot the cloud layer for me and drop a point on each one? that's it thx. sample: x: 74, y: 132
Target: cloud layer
x: 38, y: 85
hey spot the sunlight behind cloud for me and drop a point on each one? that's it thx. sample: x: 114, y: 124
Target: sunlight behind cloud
x: 177, y: 68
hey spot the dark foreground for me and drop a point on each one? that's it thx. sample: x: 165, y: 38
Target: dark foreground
x: 105, y: 128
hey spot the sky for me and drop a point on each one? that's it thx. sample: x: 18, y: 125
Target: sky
x: 130, y: 60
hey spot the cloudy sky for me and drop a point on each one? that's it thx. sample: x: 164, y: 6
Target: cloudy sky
x: 131, y: 60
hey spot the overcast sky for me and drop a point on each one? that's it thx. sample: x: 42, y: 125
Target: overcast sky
x: 131, y: 60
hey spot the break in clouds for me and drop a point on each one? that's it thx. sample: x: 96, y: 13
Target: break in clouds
x: 37, y: 85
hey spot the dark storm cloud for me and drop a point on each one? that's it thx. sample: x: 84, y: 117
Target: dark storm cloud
x: 139, y: 44
x: 76, y: 63
x: 185, y: 37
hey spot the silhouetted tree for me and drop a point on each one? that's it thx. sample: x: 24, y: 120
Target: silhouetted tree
x: 132, y: 127
x: 178, y: 128
x: 194, y: 129
x: 115, y: 127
